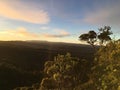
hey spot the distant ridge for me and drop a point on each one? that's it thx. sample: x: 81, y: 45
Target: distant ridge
x: 33, y: 54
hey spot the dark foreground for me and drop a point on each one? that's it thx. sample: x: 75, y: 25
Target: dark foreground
x: 21, y: 63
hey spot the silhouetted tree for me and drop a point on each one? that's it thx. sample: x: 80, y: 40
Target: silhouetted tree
x: 102, y: 37
x: 90, y: 37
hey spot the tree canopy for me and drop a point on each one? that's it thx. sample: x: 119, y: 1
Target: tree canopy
x: 92, y: 37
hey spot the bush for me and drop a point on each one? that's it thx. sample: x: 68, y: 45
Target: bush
x: 106, y: 72
x: 63, y: 69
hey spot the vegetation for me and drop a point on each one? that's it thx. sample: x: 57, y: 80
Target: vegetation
x: 107, y: 67
x: 90, y: 37
x: 66, y: 72
x: 102, y: 36
x: 64, y: 69
x: 104, y: 74
x: 22, y: 63
x: 106, y: 70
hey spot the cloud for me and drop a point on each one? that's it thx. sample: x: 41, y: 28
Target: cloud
x: 23, y: 32
x: 55, y: 36
x: 96, y: 17
x: 44, y: 28
x: 59, y: 33
x: 22, y: 13
x: 105, y: 16
x: 20, y: 33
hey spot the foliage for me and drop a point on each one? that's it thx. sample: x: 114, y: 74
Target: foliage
x: 107, y: 67
x: 21, y: 62
x: 102, y: 36
x: 89, y: 37
x: 64, y: 69
x: 24, y: 88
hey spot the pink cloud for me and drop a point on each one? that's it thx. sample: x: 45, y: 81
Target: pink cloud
x: 30, y: 15
x: 96, y: 17
x: 104, y: 16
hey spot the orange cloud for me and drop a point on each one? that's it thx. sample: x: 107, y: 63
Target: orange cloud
x: 27, y: 14
x: 22, y: 33
x: 18, y: 34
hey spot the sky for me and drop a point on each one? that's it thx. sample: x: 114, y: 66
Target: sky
x: 56, y: 20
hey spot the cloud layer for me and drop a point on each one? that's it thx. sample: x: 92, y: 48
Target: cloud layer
x: 27, y: 14
x: 22, y: 33
x: 105, y: 15
x: 58, y: 34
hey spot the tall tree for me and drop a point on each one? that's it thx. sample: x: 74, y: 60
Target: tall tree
x: 92, y: 37
x: 104, y: 35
